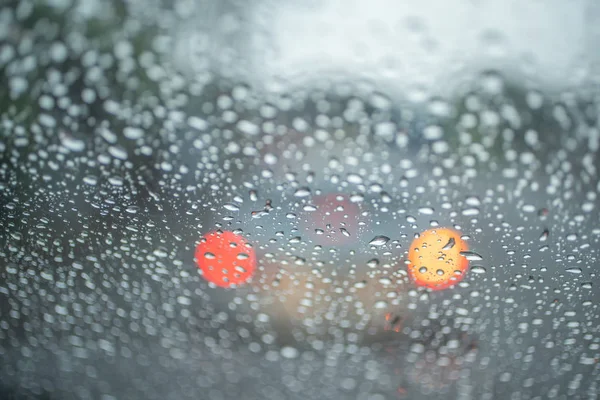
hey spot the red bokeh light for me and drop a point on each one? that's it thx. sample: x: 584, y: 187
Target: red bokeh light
x: 225, y: 258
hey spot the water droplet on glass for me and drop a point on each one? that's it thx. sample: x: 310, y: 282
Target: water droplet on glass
x: 586, y: 285
x: 357, y: 198
x: 449, y: 245
x: 471, y: 255
x: 289, y: 352
x: 259, y: 213
x: 354, y: 178
x: 470, y: 212
x: 385, y: 281
x: 231, y: 207
x: 302, y: 192
x: 90, y: 180
x: 473, y: 201
x: 478, y: 269
x: 379, y: 240
x: 380, y: 304
x: 426, y: 210
x: 270, y: 159
x: 133, y: 133
x: 160, y: 252
x: 309, y: 208
x: 248, y: 127
x: 118, y: 152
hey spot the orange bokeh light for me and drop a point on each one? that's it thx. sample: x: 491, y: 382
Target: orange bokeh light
x: 435, y: 260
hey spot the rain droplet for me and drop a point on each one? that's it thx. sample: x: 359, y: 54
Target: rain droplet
x: 380, y: 304
x: 572, y: 237
x: 386, y: 198
x: 433, y: 132
x: 133, y: 133
x: 478, y: 269
x: 90, y: 180
x: 449, y: 245
x: 470, y: 212
x: 118, y: 152
x: 357, y: 198
x: 239, y: 268
x: 528, y: 208
x: 248, y: 127
x: 160, y: 252
x: 259, y: 213
x: 289, y: 352
x: 473, y: 201
x: 197, y: 123
x: 270, y: 159
x: 231, y: 207
x: 379, y: 240
x: 302, y: 192
x: 354, y: 178
x: 471, y: 255
x: 71, y: 143
x: 426, y: 210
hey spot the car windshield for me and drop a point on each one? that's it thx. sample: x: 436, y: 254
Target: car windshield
x: 299, y: 200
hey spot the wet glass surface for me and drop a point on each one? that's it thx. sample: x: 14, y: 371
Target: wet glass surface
x: 298, y: 201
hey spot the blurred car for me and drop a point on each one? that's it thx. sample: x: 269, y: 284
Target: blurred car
x: 123, y: 149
